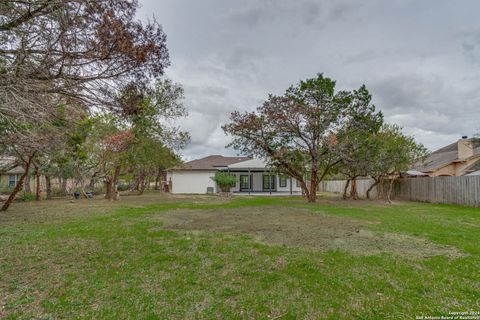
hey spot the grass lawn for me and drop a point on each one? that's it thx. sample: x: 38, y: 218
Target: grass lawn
x: 201, y: 257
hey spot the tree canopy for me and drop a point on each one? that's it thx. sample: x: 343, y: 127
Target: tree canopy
x: 82, y: 92
x: 73, y: 51
x: 303, y: 132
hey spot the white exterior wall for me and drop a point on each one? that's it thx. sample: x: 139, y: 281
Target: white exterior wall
x: 198, y: 182
x: 191, y: 181
x: 287, y: 188
x: 257, y: 181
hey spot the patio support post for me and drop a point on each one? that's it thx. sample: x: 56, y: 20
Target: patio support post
x: 291, y: 192
x: 270, y: 181
x: 249, y: 181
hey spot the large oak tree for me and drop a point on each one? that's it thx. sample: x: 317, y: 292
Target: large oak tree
x: 300, y: 132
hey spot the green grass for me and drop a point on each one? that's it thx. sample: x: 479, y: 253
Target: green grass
x: 100, y: 260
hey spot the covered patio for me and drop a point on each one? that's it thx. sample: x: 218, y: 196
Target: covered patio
x: 254, y: 176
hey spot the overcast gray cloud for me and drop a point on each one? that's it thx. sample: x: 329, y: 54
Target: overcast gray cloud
x: 419, y: 59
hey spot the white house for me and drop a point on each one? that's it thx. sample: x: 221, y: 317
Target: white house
x: 253, y: 176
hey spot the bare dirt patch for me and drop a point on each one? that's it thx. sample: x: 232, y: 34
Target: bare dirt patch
x: 302, y: 228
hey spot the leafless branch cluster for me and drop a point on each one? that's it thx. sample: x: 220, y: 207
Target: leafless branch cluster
x: 73, y: 51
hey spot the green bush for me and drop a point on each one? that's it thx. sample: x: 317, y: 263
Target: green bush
x: 27, y: 197
x: 122, y: 186
x: 225, y: 180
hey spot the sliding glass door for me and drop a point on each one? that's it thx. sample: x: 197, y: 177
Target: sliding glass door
x: 268, y: 182
x: 245, y: 183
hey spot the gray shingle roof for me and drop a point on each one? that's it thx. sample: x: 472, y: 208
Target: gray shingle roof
x: 8, y: 166
x: 212, y: 162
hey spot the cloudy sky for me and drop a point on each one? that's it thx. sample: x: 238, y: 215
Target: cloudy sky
x: 420, y: 59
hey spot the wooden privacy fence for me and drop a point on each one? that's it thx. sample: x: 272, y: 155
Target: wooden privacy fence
x: 337, y: 186
x: 455, y: 190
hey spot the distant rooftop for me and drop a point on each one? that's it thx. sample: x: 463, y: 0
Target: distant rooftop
x: 9, y: 165
x: 444, y: 156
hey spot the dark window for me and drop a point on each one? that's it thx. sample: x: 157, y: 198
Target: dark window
x: 13, y: 180
x: 244, y: 182
x: 283, y: 181
x: 268, y: 182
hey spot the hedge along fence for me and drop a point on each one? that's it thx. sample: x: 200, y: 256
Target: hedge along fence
x: 454, y: 190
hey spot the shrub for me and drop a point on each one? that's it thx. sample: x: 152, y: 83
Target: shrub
x: 123, y: 186
x: 225, y: 181
x: 56, y: 192
x: 26, y: 197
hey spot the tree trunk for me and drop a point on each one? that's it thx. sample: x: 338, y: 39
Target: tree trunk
x: 111, y: 182
x: 377, y: 181
x: 48, y: 187
x: 313, y: 186
x: 145, y: 185
x: 304, y: 187
x: 63, y: 187
x: 345, y: 190
x: 37, y: 182
x: 149, y: 182
x: 19, y: 185
x: 28, y: 189
x: 141, y: 183
x: 390, y: 187
x: 108, y: 188
x: 116, y: 176
x: 353, y: 189
x: 141, y: 188
x: 157, y: 179
x: 93, y: 181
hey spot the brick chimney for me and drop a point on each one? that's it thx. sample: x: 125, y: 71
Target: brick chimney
x: 465, y: 148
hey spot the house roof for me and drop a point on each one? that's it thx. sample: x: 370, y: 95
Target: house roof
x: 415, y: 173
x: 8, y: 166
x: 474, y: 173
x: 249, y: 164
x: 213, y: 162
x: 473, y: 167
x: 444, y: 156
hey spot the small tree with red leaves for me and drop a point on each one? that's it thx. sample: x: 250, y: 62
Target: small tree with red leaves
x: 114, y: 148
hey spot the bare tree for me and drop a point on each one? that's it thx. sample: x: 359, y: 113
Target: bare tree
x: 75, y: 51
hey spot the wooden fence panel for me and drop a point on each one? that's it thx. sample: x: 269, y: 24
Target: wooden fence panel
x: 455, y: 190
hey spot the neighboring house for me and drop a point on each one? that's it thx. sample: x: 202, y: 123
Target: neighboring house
x: 253, y: 175
x: 457, y: 159
x: 10, y: 173
x: 474, y: 169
